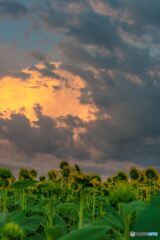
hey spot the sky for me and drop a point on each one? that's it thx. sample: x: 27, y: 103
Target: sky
x: 80, y: 82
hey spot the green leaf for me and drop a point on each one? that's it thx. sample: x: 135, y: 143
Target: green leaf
x: 148, y: 219
x: 23, y: 184
x: 129, y: 208
x: 32, y: 224
x: 66, y: 206
x: 58, y: 220
x: 56, y: 231
x: 28, y: 224
x: 3, y: 219
x: 113, y: 219
x: 18, y: 217
x: 38, y: 210
x: 87, y: 233
x: 44, y: 202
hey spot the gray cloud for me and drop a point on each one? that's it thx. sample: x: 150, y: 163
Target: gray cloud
x: 96, y: 29
x: 20, y: 74
x: 122, y: 79
x: 44, y: 137
x: 38, y: 55
x: 122, y: 86
x: 13, y: 8
x: 143, y: 14
x: 47, y: 70
x: 13, y: 60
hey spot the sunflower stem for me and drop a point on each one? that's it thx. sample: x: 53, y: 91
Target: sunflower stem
x: 81, y: 209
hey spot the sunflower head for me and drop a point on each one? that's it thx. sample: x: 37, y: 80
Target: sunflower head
x: 77, y: 168
x: 66, y: 172
x: 109, y: 180
x: 95, y: 182
x: 121, y: 176
x: 151, y: 173
x: 83, y: 180
x: 6, y: 182
x: 142, y: 177
x: 5, y: 173
x: 52, y: 174
x: 11, y: 231
x: 24, y: 174
x: 134, y: 173
x: 33, y: 173
x: 63, y: 164
x: 75, y: 186
x: 42, y: 178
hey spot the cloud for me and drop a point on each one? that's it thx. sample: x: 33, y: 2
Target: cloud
x: 95, y: 29
x: 141, y: 17
x: 118, y: 80
x: 44, y: 136
x: 112, y: 46
x: 38, y: 55
x: 44, y: 162
x: 13, y: 8
x: 47, y: 70
x: 12, y: 60
x: 57, y: 92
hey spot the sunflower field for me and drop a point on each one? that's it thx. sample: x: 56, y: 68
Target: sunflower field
x: 68, y: 204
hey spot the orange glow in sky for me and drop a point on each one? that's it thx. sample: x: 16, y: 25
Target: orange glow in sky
x: 16, y: 94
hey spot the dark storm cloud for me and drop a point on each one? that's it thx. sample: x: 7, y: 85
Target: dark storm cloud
x: 145, y: 11
x: 21, y: 75
x: 123, y: 86
x: 144, y: 14
x: 106, y: 47
x: 12, y: 8
x: 86, y: 26
x: 135, y: 117
x: 44, y: 136
x: 16, y: 74
x: 53, y: 15
x: 124, y: 58
x: 72, y: 121
x: 133, y: 107
x: 38, y: 55
x: 47, y: 70
x: 96, y: 29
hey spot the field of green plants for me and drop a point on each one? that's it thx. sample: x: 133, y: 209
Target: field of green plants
x: 71, y: 205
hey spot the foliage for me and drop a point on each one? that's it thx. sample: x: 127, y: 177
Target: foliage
x: 70, y: 204
x: 123, y: 193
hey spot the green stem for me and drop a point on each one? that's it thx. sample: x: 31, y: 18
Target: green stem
x: 5, y: 200
x: 50, y: 213
x: 101, y: 210
x: 94, y: 205
x: 127, y: 221
x: 137, y: 192
x: 81, y: 209
x: 23, y: 200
